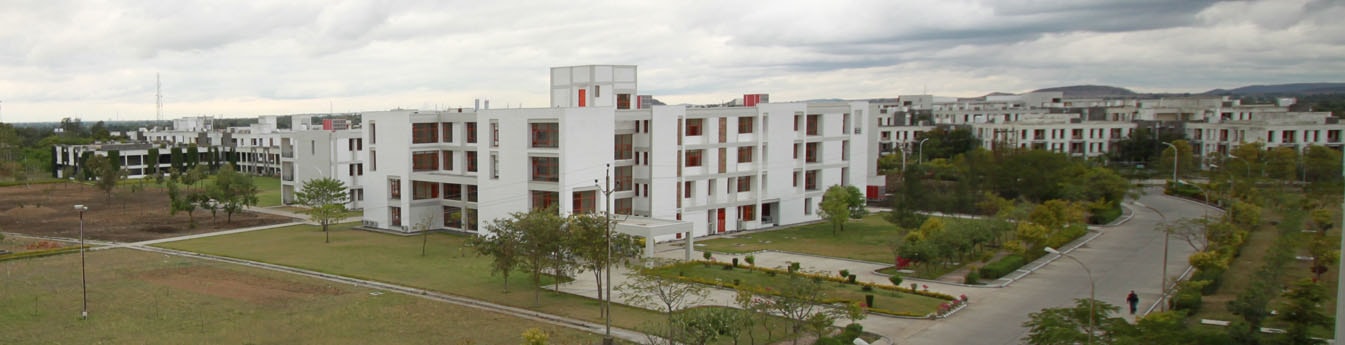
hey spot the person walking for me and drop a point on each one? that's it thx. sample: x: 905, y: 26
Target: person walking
x: 1134, y: 301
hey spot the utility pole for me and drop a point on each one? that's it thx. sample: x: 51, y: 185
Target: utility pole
x: 607, y: 301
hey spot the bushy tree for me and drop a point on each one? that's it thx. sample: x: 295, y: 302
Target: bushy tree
x: 326, y: 199
x: 589, y: 243
x: 836, y: 207
x: 541, y: 245
x: 502, y: 242
x: 233, y: 191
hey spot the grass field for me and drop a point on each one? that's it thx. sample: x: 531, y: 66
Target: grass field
x: 863, y: 239
x: 883, y: 299
x: 449, y: 267
x: 268, y: 190
x: 145, y: 298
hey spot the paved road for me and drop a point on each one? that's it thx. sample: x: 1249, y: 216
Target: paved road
x: 1125, y: 257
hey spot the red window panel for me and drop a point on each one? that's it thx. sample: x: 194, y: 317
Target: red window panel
x: 583, y: 98
x: 694, y: 127
x: 424, y: 133
x: 694, y: 157
x: 545, y: 135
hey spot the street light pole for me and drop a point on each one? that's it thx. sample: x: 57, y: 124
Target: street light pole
x: 83, y: 279
x: 921, y: 159
x: 1092, y: 290
x: 1163, y: 287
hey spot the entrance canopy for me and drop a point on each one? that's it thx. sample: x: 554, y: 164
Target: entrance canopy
x: 650, y: 228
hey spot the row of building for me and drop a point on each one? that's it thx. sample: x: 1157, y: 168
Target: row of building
x: 677, y: 171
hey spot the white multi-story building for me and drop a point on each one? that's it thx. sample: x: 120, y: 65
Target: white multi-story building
x: 676, y: 171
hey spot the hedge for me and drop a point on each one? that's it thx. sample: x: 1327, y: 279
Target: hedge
x: 1002, y: 267
x: 39, y: 253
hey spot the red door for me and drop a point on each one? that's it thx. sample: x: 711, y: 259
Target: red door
x: 721, y: 220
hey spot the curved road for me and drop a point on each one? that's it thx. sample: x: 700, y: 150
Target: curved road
x: 1125, y: 257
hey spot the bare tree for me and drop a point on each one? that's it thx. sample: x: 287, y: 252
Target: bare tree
x: 666, y: 295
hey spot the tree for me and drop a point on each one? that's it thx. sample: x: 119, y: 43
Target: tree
x: 175, y: 159
x: 99, y: 131
x: 193, y: 156
x: 540, y: 245
x: 502, y: 243
x: 702, y: 326
x: 588, y: 242
x: 1069, y: 326
x: 1303, y: 310
x: 668, y: 296
x: 836, y: 207
x: 152, y: 162
x: 799, y: 299
x: 234, y: 191
x: 857, y: 209
x: 100, y: 167
x: 182, y: 201
x: 326, y: 200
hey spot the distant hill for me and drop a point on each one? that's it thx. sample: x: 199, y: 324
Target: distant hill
x: 1091, y: 91
x: 1297, y: 88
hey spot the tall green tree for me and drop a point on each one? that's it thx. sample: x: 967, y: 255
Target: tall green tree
x: 100, y: 167
x: 503, y: 242
x: 99, y: 131
x: 326, y: 200
x: 1070, y: 326
x: 1303, y: 310
x: 836, y: 207
x: 233, y: 191
x: 589, y: 242
x: 543, y: 237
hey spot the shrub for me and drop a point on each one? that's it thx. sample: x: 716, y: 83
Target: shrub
x: 728, y: 267
x: 868, y: 300
x: 850, y: 279
x: 751, y: 260
x: 1003, y: 266
x: 895, y: 279
x: 845, y: 273
x: 973, y: 277
x: 707, y: 255
x: 735, y: 262
x: 851, y: 332
x: 866, y: 288
x: 793, y: 267
x: 770, y: 273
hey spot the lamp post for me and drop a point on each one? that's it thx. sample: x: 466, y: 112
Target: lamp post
x: 1163, y: 287
x: 83, y: 280
x: 607, y: 297
x: 921, y: 159
x: 1092, y: 290
x: 1245, y: 163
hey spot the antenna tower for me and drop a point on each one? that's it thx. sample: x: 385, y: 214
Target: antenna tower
x: 158, y: 99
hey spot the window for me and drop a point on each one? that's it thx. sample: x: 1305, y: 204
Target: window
x: 421, y: 190
x: 396, y: 215
x: 312, y: 147
x: 747, y: 212
x: 494, y: 133
x: 495, y: 165
x: 622, y: 206
x: 694, y: 127
x: 357, y: 194
x: 448, y: 132
x: 687, y: 187
x: 471, y: 161
x: 543, y: 200
x: 583, y: 98
x: 395, y: 189
x: 373, y: 160
x: 584, y: 202
x: 811, y: 155
x: 373, y: 133
x: 796, y: 151
x: 694, y: 157
x: 471, y: 132
x: 797, y: 118
x: 623, y: 178
x: 623, y: 101
x: 744, y: 184
x: 452, y: 217
x: 810, y: 180
x: 424, y: 161
x: 546, y: 169
x: 813, y: 123
x: 424, y: 133
x: 623, y: 149
x: 745, y: 154
x: 796, y: 179
x: 357, y: 169
x: 745, y: 124
x: 452, y: 191
x: 808, y: 206
x: 545, y: 135
x: 723, y: 129
x: 447, y: 160
x: 355, y: 144
x: 469, y: 221
x: 471, y: 193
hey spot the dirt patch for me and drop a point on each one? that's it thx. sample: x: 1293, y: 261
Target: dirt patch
x: 129, y: 216
x: 235, y: 285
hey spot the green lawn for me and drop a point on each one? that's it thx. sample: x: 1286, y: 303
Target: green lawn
x: 449, y: 267
x: 268, y: 190
x: 883, y: 299
x: 144, y: 298
x: 863, y: 239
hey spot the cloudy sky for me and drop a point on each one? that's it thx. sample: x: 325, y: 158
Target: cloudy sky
x: 97, y: 60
